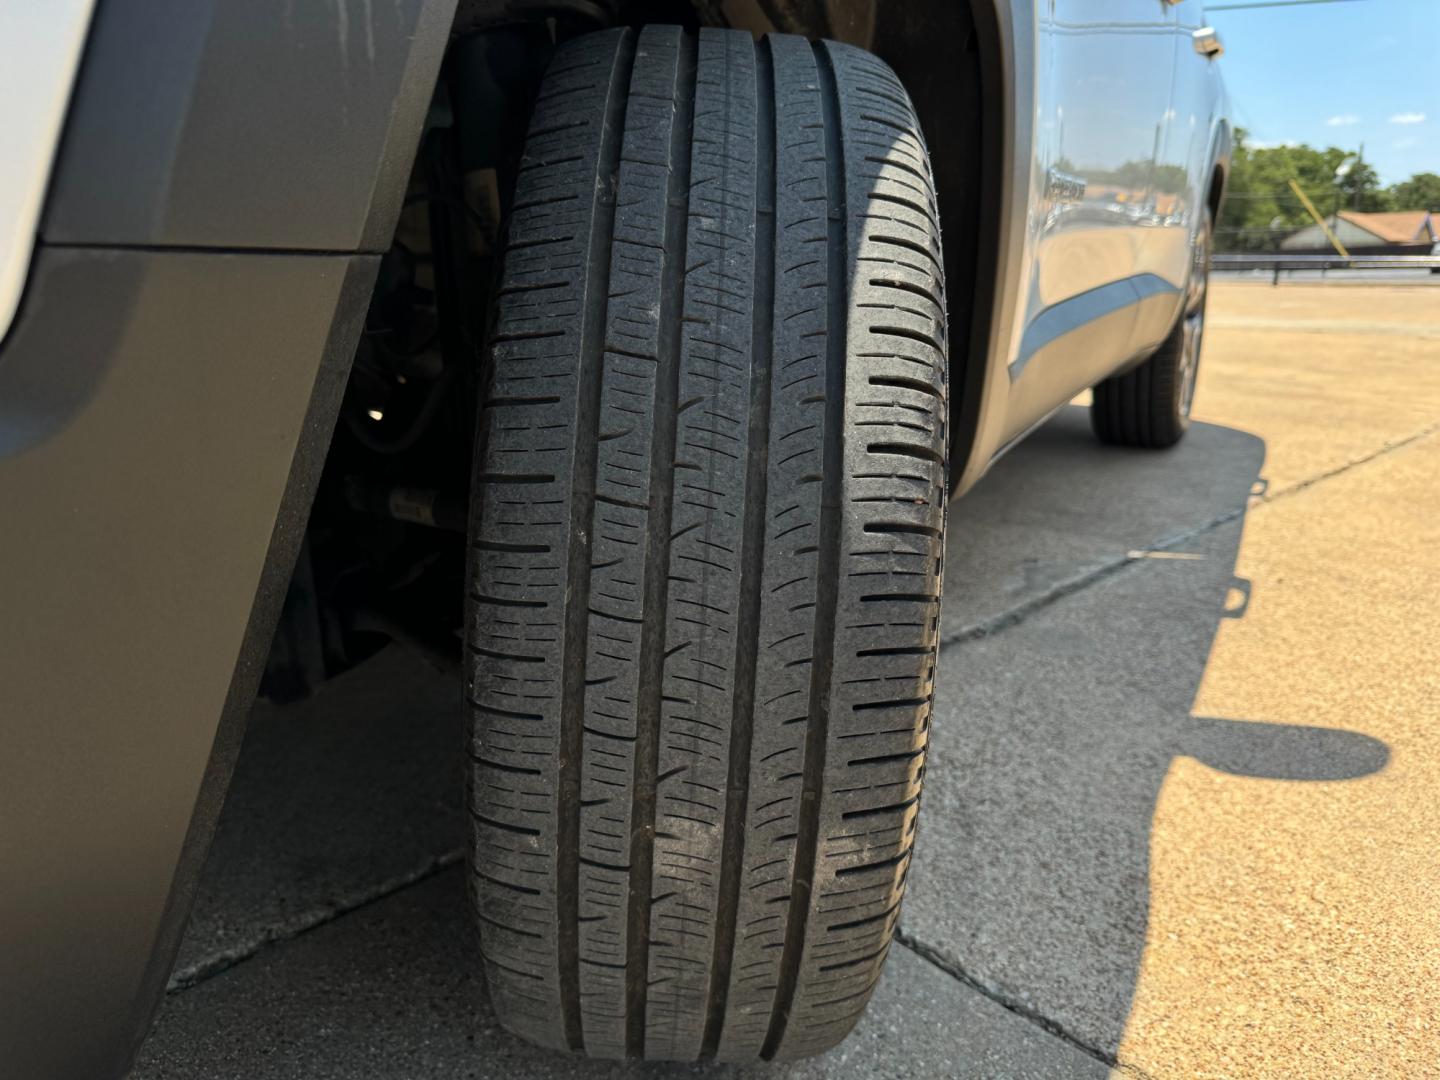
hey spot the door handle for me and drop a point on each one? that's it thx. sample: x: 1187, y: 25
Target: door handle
x: 1207, y: 42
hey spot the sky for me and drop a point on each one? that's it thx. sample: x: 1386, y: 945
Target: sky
x: 1341, y: 74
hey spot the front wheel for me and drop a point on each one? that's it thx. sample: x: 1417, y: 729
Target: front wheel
x: 1150, y: 406
x: 709, y: 511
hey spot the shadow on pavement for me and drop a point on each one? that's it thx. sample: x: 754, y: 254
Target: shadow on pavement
x: 1052, y: 737
x: 1051, y: 740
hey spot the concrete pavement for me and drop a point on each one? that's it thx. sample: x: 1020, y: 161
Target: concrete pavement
x: 1180, y: 815
x: 394, y: 989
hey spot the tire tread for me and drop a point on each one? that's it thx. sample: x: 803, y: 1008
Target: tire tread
x: 706, y: 550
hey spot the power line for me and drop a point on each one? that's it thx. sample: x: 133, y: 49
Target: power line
x: 1272, y: 4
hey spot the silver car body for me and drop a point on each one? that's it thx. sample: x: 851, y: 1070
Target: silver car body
x: 1116, y: 139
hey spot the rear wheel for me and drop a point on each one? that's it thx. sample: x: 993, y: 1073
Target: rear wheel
x: 707, y: 538
x: 1150, y: 406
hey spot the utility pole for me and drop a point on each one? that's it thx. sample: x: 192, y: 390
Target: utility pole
x: 1359, y: 162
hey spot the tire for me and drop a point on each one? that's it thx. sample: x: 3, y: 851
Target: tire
x: 707, y: 531
x: 1149, y: 406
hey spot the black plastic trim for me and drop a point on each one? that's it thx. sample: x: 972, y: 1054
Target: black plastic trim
x: 152, y: 522
x: 167, y: 394
x: 245, y: 123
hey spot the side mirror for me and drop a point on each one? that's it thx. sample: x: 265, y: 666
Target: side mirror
x: 1281, y: 751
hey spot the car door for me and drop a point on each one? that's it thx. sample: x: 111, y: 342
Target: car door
x: 1184, y: 173
x: 1102, y: 114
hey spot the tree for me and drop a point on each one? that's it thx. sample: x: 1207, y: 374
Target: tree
x: 1361, y: 190
x: 1420, y: 192
x: 1261, y: 210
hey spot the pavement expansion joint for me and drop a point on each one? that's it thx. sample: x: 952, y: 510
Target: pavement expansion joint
x: 952, y: 967
x: 220, y: 962
x: 1069, y: 587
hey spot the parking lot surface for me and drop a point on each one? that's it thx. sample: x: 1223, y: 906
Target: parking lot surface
x: 1180, y: 816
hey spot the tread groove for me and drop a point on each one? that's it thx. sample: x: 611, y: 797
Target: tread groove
x: 752, y: 556
x: 653, y: 650
x: 828, y: 570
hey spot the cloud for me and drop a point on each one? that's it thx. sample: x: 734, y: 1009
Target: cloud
x: 1342, y: 121
x: 1408, y: 118
x: 1267, y: 144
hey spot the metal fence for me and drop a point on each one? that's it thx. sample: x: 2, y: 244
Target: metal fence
x: 1278, y: 264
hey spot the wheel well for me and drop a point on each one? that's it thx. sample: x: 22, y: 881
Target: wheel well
x: 385, y: 551
x: 947, y: 55
x: 1216, y: 195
